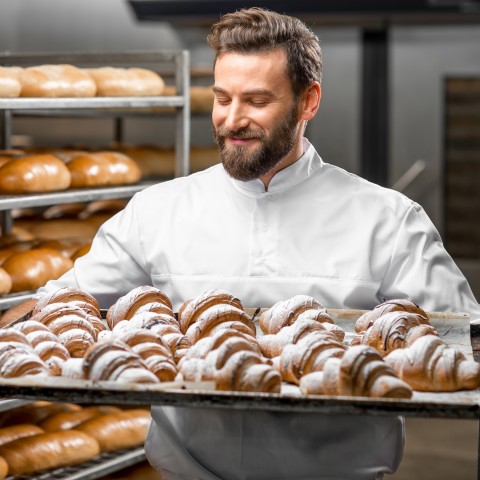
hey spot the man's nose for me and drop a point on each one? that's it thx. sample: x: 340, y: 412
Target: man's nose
x: 236, y: 118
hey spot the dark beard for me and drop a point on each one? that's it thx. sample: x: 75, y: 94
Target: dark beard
x: 241, y: 165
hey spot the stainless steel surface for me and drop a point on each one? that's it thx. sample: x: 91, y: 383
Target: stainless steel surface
x: 8, y: 404
x: 182, y: 138
x: 7, y: 301
x: 118, y: 103
x: 8, y: 202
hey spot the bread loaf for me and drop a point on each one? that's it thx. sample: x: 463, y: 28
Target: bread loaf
x: 3, y: 468
x: 5, y: 282
x: 69, y: 420
x: 34, y: 412
x: 34, y: 173
x: 116, y: 431
x: 9, y: 434
x: 32, y: 269
x: 10, y: 86
x: 56, y: 81
x: 48, y: 450
x: 126, y: 82
x: 63, y: 228
x: 103, y: 168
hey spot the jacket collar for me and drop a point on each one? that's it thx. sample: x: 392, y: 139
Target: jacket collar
x: 287, y: 178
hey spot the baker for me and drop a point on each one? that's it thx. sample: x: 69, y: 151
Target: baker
x: 272, y: 221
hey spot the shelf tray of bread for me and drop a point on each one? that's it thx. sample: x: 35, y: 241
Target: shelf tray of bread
x: 297, y: 355
x: 70, y: 441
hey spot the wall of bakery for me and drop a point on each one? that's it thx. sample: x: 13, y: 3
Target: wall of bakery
x: 417, y: 87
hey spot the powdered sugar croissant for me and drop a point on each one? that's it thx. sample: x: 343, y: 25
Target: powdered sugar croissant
x: 308, y: 355
x: 397, y: 305
x: 361, y: 371
x: 431, y: 365
x: 126, y: 306
x: 396, y: 330
x: 192, y: 309
x: 286, y: 312
x: 72, y: 296
x: 272, y: 345
x: 115, y: 360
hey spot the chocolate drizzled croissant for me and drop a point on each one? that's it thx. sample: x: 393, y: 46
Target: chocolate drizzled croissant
x: 397, y: 305
x: 286, y: 312
x: 361, y: 371
x: 431, y: 365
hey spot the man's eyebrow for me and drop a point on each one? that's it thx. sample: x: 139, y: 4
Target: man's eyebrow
x: 247, y: 93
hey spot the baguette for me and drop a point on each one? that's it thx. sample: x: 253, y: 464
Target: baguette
x: 116, y: 431
x: 10, y: 86
x: 47, y: 451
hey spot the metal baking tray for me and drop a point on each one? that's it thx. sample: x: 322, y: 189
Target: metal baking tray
x: 454, y: 328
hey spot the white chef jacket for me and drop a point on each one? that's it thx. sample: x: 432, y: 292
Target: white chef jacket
x: 318, y: 231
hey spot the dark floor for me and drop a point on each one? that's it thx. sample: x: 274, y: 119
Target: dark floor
x: 439, y: 449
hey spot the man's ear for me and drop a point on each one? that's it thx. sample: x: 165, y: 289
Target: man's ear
x: 310, y: 101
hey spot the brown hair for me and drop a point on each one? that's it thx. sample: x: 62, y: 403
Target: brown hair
x: 256, y: 30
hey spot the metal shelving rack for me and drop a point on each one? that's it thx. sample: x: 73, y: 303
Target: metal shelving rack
x: 174, y: 63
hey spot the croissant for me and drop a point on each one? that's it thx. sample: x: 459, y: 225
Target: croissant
x: 360, y: 372
x: 192, y: 309
x: 432, y: 366
x: 13, y: 336
x: 126, y: 306
x: 137, y: 336
x: 54, y: 311
x: 109, y: 360
x: 69, y: 295
x: 210, y: 319
x: 308, y: 355
x: 53, y: 353
x: 286, y: 312
x: 246, y: 371
x: 164, y: 325
x: 272, y: 345
x: 29, y: 326
x: 158, y: 359
x: 234, y: 370
x: 395, y: 330
x: 21, y: 361
x: 207, y: 344
x: 398, y: 305
x: 73, y: 368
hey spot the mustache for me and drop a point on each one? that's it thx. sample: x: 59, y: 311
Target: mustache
x: 244, y: 133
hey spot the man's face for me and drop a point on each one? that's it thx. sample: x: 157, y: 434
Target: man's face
x: 254, y: 115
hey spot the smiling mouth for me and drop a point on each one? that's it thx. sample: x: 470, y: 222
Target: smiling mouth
x: 240, y: 140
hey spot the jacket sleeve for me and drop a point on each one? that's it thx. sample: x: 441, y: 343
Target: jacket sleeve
x: 421, y: 269
x: 114, y: 264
